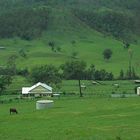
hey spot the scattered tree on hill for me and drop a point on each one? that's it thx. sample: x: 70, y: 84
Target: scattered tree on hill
x: 73, y: 42
x: 52, y: 45
x: 107, y: 53
x: 22, y: 53
x: 74, y: 54
x: 58, y: 49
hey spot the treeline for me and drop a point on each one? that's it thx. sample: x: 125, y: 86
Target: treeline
x: 26, y: 23
x: 129, y: 74
x: 70, y: 70
x: 118, y: 24
x: 73, y: 70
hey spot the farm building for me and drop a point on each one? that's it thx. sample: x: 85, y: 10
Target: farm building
x: 137, y: 81
x: 39, y: 89
x: 138, y: 90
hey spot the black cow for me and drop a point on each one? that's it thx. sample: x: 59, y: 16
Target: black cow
x: 13, y: 110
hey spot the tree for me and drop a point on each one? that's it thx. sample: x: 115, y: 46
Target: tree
x: 90, y: 74
x: 74, y: 54
x: 107, y: 53
x: 15, y: 25
x: 22, y: 53
x: 126, y: 45
x: 52, y: 45
x: 58, y: 49
x: 74, y: 70
x: 11, y: 64
x: 134, y: 76
x: 5, y: 80
x: 121, y: 76
x: 129, y: 71
x: 46, y: 73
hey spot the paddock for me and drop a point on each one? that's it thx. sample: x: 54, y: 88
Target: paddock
x: 73, y: 118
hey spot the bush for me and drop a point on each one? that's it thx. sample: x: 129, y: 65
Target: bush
x: 107, y: 53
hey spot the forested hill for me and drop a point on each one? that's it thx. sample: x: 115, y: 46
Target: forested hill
x: 132, y: 5
x: 119, y: 18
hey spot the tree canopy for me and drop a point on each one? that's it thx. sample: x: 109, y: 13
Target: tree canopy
x: 107, y: 53
x: 26, y: 23
x: 47, y: 73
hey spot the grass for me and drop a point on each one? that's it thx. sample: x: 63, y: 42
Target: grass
x: 71, y: 86
x: 73, y: 118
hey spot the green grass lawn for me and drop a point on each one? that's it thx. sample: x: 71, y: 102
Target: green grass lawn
x: 73, y: 118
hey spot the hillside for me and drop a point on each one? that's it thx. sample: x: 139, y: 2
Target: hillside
x: 70, y: 34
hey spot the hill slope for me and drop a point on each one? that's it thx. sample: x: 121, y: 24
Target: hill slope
x: 70, y: 35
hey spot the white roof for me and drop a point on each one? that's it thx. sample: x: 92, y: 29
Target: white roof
x: 45, y: 101
x: 41, y: 84
x: 26, y: 90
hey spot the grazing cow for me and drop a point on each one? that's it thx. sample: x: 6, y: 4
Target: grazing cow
x: 13, y: 110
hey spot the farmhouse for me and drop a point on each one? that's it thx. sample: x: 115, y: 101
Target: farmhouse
x: 137, y: 81
x: 138, y: 91
x: 39, y: 89
x: 2, y: 48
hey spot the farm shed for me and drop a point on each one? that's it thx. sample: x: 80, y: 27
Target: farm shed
x: 39, y: 89
x: 138, y: 91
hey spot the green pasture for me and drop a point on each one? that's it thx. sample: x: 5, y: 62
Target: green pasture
x: 105, y: 88
x: 72, y: 118
x: 102, y: 88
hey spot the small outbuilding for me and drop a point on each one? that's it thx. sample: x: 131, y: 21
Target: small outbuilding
x: 37, y: 90
x: 138, y: 91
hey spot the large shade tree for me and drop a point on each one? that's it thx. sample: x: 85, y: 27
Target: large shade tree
x: 74, y: 70
x: 45, y: 73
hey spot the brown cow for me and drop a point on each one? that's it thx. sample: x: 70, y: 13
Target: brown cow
x: 13, y: 110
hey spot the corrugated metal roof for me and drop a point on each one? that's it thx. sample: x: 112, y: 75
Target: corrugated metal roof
x: 41, y: 84
x: 26, y: 90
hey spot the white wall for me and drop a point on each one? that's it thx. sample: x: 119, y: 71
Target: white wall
x: 138, y: 91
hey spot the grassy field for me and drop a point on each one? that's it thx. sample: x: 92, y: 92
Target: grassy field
x: 73, y: 118
x: 71, y: 86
